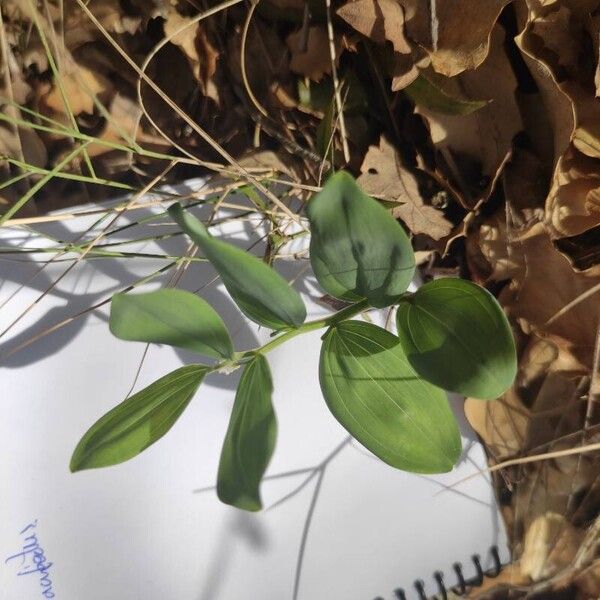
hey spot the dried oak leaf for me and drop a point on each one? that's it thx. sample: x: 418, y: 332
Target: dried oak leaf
x: 484, y: 136
x: 587, y: 582
x: 266, y: 66
x: 79, y: 29
x: 502, y: 263
x: 551, y: 121
x: 547, y: 284
x: 573, y: 204
x: 456, y: 33
x: 384, y: 176
x: 556, y: 39
x: 404, y: 70
x: 196, y: 46
x: 550, y: 545
x: 547, y: 355
x: 79, y: 85
x: 379, y: 20
x: 501, y: 424
x: 311, y: 59
x: 125, y: 114
x: 559, y: 39
x: 280, y: 163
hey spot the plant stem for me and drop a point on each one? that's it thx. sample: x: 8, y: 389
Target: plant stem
x: 342, y: 315
x: 346, y: 313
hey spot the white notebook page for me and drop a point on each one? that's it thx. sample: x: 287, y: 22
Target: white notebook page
x: 339, y: 524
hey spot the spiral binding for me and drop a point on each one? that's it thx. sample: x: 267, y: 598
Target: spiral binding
x: 462, y: 584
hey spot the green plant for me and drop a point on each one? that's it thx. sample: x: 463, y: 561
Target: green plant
x: 386, y: 390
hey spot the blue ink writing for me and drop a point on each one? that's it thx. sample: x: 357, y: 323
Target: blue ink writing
x: 33, y: 560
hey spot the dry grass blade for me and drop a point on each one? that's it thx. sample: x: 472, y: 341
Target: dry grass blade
x: 207, y: 138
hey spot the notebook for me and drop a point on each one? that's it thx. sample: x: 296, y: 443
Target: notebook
x: 338, y: 523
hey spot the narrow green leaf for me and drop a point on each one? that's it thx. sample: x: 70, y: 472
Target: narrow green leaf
x: 259, y: 291
x: 323, y: 138
x: 139, y: 421
x: 456, y: 335
x: 357, y: 249
x: 372, y: 390
x: 250, y: 438
x: 423, y: 92
x: 173, y: 317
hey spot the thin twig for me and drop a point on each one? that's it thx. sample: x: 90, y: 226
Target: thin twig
x: 253, y: 99
x: 336, y: 83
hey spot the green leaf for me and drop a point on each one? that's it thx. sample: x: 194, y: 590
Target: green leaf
x: 423, y: 92
x: 372, y: 390
x: 173, y: 317
x: 456, y: 336
x: 259, y: 291
x: 139, y: 421
x: 357, y: 249
x: 323, y: 138
x: 250, y: 438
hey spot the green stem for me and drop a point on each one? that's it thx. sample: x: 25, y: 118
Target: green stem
x: 342, y: 315
x: 346, y: 313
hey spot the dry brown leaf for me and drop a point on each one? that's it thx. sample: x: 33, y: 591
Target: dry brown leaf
x: 404, y: 71
x: 501, y: 424
x: 80, y: 85
x: 314, y: 60
x: 573, y: 204
x: 493, y: 242
x: 280, y: 163
x: 554, y: 411
x: 546, y: 285
x: 125, y: 114
x: 550, y: 545
x: 264, y: 65
x: 555, y: 31
x: 588, y: 582
x: 556, y: 40
x: 405, y: 68
x: 79, y: 29
x: 484, y: 136
x: 111, y: 15
x: 195, y: 44
x: 22, y: 143
x: 384, y: 176
x: 379, y: 20
x: 525, y: 184
x: 495, y: 588
x: 456, y: 33
x: 552, y: 118
x: 547, y: 355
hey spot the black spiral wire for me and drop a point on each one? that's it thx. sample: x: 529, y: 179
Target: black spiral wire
x: 462, y: 585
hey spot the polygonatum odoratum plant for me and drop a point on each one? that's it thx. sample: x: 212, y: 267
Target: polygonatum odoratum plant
x: 387, y: 390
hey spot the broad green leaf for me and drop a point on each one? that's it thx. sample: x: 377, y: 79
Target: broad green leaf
x: 173, y: 317
x: 456, y: 336
x: 357, y: 249
x: 139, y: 421
x: 250, y: 438
x: 372, y: 390
x: 259, y: 291
x: 423, y: 92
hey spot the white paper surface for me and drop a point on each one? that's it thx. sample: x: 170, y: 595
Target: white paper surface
x: 148, y: 529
